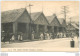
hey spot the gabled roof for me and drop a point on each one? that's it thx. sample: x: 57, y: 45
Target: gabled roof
x: 70, y: 27
x: 35, y: 15
x: 50, y: 18
x: 74, y: 25
x: 61, y: 20
x: 11, y: 15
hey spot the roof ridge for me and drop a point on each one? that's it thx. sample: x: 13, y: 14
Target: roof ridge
x: 35, y: 15
x: 14, y: 14
x: 13, y: 10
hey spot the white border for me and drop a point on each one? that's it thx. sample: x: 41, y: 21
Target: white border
x: 40, y: 53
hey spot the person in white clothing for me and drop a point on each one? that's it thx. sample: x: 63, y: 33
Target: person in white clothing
x: 33, y: 35
x: 41, y: 36
x: 13, y: 37
x: 48, y: 37
x: 19, y: 37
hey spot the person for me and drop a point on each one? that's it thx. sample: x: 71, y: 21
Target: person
x: 13, y: 37
x: 9, y: 36
x: 45, y: 35
x: 3, y: 35
x: 33, y: 35
x: 48, y: 37
x: 21, y: 37
x: 41, y: 36
x: 18, y: 36
x: 58, y: 34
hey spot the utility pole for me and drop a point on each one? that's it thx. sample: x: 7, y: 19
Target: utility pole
x: 30, y: 28
x: 65, y: 11
x: 42, y: 7
x: 70, y: 27
x: 70, y: 21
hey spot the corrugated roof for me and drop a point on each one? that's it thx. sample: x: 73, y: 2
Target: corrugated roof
x: 35, y: 15
x: 11, y: 15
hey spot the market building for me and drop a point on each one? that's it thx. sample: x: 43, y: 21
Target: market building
x: 54, y: 24
x: 72, y: 29
x: 40, y: 23
x: 63, y: 26
x: 16, y: 21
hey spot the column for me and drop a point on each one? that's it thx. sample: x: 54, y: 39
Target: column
x: 15, y: 29
x: 37, y: 29
x: 1, y: 27
x: 27, y: 30
x: 53, y: 29
x: 57, y: 29
x: 45, y: 28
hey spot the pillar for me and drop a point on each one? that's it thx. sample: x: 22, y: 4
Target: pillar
x: 45, y: 28
x: 57, y: 29
x: 53, y: 29
x: 15, y: 29
x: 27, y: 30
x: 1, y: 27
x: 37, y: 30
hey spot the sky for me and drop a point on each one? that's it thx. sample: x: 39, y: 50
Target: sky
x: 48, y: 7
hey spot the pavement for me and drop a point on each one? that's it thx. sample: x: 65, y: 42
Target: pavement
x: 52, y: 44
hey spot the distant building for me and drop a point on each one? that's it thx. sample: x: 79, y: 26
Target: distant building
x: 53, y: 23
x: 72, y: 28
x: 63, y: 25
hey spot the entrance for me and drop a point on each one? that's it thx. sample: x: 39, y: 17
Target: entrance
x: 49, y: 29
x: 22, y: 29
x: 7, y: 27
x: 41, y: 29
x: 55, y: 29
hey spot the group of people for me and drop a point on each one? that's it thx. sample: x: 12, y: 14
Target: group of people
x: 61, y: 35
x: 45, y: 36
x: 20, y: 37
x: 52, y: 35
x: 48, y: 35
x: 42, y: 36
x: 7, y: 37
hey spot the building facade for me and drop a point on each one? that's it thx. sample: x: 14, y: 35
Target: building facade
x: 16, y: 21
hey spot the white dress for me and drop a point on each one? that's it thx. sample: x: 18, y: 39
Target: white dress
x: 13, y: 38
x: 48, y: 36
x: 32, y: 36
x: 21, y: 38
x: 18, y: 37
x: 41, y: 36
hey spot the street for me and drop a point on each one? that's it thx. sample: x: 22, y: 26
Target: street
x: 63, y: 43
